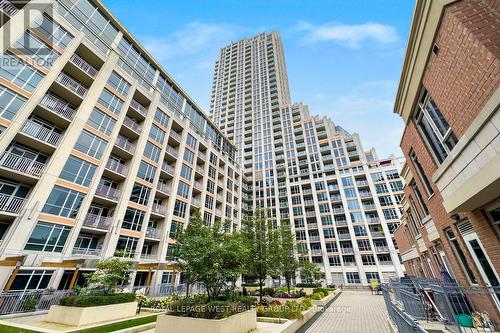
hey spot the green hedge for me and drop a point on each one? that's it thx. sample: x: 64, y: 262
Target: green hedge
x: 308, y: 285
x: 97, y: 300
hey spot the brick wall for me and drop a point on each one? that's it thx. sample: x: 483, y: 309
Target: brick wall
x: 460, y: 78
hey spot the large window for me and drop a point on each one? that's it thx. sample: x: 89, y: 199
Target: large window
x: 180, y: 208
x: 431, y: 122
x: 460, y: 255
x: 161, y: 117
x: 19, y: 72
x: 119, y: 83
x: 31, y: 280
x: 63, y: 202
x: 101, y: 121
x: 90, y: 144
x: 10, y: 103
x: 133, y: 219
x: 140, y: 194
x: 127, y: 246
x: 421, y: 173
x: 152, y: 152
x: 33, y: 47
x: 157, y: 133
x: 78, y: 171
x: 48, y: 237
x: 52, y: 31
x: 110, y: 101
x: 146, y: 172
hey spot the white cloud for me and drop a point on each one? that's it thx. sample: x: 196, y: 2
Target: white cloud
x: 350, y: 35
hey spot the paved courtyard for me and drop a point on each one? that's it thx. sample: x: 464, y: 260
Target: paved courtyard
x: 353, y: 312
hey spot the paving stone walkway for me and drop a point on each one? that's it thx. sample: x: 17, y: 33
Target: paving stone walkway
x: 353, y: 312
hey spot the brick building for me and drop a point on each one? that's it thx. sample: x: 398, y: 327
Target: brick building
x: 449, y: 98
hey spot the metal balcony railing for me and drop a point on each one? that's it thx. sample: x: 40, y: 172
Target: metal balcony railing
x: 116, y: 166
x: 138, y: 107
x: 154, y: 233
x: 344, y: 236
x: 86, y: 251
x: 347, y: 250
x: 167, y: 168
x: 83, y: 65
x: 380, y: 249
x: 123, y: 143
x: 107, y: 192
x: 8, y: 8
x: 176, y: 136
x: 314, y: 238
x: 10, y: 203
x: 21, y: 164
x: 159, y: 209
x: 41, y: 133
x: 97, y: 221
x: 197, y: 185
x: 71, y: 84
x: 373, y: 220
x: 172, y: 151
x: 132, y: 125
x: 164, y: 188
x: 58, y: 105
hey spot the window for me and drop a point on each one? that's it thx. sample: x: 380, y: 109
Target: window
x: 90, y: 144
x: 392, y: 174
x: 381, y: 188
x: 390, y: 214
x: 334, y: 261
x: 372, y: 276
x: 494, y: 216
x: 191, y: 141
x: 63, y: 202
x: 157, y: 134
x: 146, y: 171
x: 140, y: 194
x: 51, y: 30
x: 10, y: 103
x: 353, y: 204
x: 127, y: 246
x: 434, y: 127
x: 188, y: 156
x: 31, y: 280
x: 368, y: 259
x: 78, y: 171
x: 133, y: 219
x: 209, y: 202
x: 364, y: 245
x: 119, y: 83
x: 34, y: 48
x: 161, y: 117
x: 19, y: 72
x: 396, y: 186
x: 421, y: 173
x: 48, y: 237
x: 353, y: 277
x: 377, y: 176
x: 210, y: 186
x: 350, y: 192
x: 101, y: 121
x: 180, y: 208
x: 186, y: 172
x: 460, y: 254
x: 326, y: 220
x: 183, y: 189
x: 347, y: 181
x: 420, y: 199
x: 110, y: 101
x: 385, y: 200
x: 357, y: 217
x: 328, y: 233
x: 152, y: 152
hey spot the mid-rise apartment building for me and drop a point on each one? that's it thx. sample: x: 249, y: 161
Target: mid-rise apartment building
x: 342, y: 202
x: 449, y: 99
x: 100, y: 150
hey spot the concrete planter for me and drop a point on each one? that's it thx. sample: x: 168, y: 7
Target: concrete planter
x: 79, y: 316
x: 290, y: 326
x: 324, y: 301
x: 239, y: 323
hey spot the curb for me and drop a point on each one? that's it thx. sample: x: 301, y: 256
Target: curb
x: 311, y: 321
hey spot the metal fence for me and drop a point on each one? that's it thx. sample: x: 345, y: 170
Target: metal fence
x: 29, y: 301
x: 459, y: 308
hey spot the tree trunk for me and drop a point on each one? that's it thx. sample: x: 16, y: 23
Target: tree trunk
x: 187, y: 289
x: 287, y: 280
x: 260, y: 288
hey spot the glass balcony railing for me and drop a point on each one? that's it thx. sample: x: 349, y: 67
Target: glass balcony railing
x: 108, y: 192
x: 97, y: 221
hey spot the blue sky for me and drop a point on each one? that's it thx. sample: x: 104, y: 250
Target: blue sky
x: 343, y: 57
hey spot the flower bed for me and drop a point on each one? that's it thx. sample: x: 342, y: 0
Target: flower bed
x: 279, y: 293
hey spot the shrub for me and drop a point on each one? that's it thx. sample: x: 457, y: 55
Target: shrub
x: 306, y: 303
x: 197, y: 307
x: 289, y: 310
x: 97, y: 300
x: 325, y: 291
x: 317, y: 296
x: 269, y: 292
x: 308, y: 285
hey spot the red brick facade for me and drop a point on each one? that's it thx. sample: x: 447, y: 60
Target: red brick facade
x: 461, y: 75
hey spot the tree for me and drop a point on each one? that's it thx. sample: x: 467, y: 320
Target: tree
x: 255, y: 233
x: 109, y: 273
x: 311, y: 272
x: 209, y: 255
x: 288, y: 262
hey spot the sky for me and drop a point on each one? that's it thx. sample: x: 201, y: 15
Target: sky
x: 343, y: 57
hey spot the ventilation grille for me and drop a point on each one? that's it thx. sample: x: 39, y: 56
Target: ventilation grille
x: 465, y: 228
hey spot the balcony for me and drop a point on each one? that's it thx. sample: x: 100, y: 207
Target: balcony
x: 202, y: 156
x: 172, y: 151
x: 159, y: 209
x: 381, y: 249
x: 310, y: 213
x: 164, y: 188
x: 131, y: 124
x: 196, y: 202
x: 87, y: 251
x: 83, y: 65
x: 117, y: 167
x: 344, y: 236
x: 314, y: 238
x: 385, y: 263
x: 125, y: 144
x: 316, y: 252
x: 8, y: 8
x: 365, y: 194
x: 58, y: 106
x: 37, y: 131
x: 341, y: 223
x: 11, y: 204
x: 149, y: 256
x: 97, y: 221
x: 312, y: 226
x: 138, y: 107
x: 376, y: 234
x: 71, y: 84
x: 369, y: 207
x: 153, y: 233
x: 347, y: 250
x: 338, y: 210
x: 176, y: 136
x: 107, y: 192
x: 167, y: 168
x: 197, y: 185
x: 21, y: 164
x: 373, y: 220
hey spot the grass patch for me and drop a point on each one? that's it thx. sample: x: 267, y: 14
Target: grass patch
x: 10, y: 329
x: 119, y: 326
